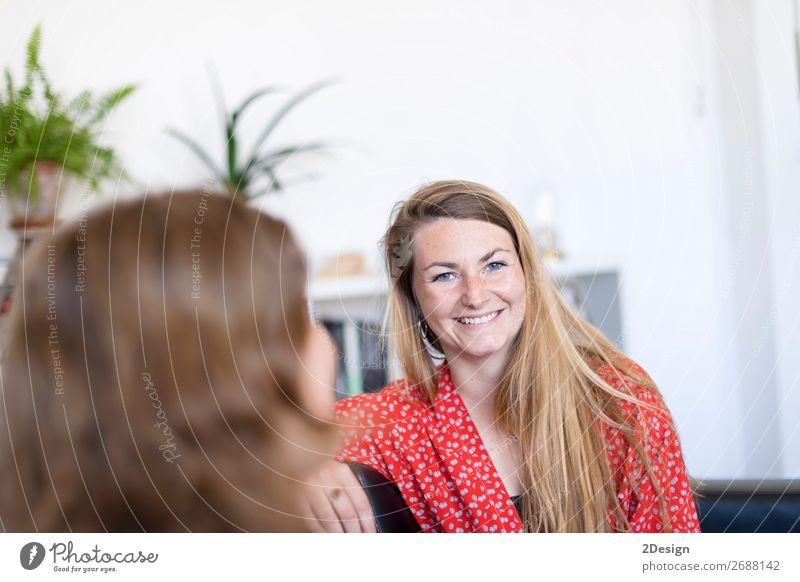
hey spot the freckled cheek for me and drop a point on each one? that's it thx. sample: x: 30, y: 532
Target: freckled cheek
x: 427, y: 304
x: 438, y: 309
x: 510, y: 292
x: 517, y: 300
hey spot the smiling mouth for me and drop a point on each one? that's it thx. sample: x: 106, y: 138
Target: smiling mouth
x: 479, y: 320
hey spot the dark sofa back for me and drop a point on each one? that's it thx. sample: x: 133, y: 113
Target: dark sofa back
x: 739, y: 506
x: 749, y: 506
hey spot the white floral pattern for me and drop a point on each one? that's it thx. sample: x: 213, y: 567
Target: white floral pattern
x: 435, y: 455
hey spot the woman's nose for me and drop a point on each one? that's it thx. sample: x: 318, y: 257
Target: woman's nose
x: 475, y: 293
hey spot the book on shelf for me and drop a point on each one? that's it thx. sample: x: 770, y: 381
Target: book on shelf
x: 336, y: 329
x: 374, y: 361
x: 362, y: 364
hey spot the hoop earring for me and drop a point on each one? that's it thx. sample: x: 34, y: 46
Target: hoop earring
x: 422, y: 326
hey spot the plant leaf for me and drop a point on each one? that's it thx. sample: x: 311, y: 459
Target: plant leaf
x: 238, y: 185
x: 199, y: 152
x: 216, y: 88
x: 32, y: 51
x: 274, y: 157
x: 249, y: 101
x: 283, y: 112
x: 10, y: 87
x: 230, y: 144
x: 80, y: 103
x: 233, y: 122
x: 110, y: 101
x: 273, y: 185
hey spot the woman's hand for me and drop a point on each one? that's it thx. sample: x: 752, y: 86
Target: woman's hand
x: 334, y: 501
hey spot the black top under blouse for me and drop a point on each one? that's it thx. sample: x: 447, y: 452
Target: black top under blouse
x: 388, y: 506
x: 517, y: 499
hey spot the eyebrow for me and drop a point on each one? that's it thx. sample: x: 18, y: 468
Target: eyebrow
x: 483, y: 259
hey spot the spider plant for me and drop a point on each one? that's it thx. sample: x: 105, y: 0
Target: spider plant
x: 256, y: 173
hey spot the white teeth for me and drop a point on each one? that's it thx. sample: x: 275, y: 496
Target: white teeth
x: 477, y: 320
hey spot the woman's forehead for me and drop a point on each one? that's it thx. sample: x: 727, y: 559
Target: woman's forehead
x: 459, y: 240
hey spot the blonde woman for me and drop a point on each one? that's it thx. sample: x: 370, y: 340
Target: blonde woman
x: 514, y: 414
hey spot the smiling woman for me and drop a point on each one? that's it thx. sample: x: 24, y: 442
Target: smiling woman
x: 515, y: 414
x: 473, y: 302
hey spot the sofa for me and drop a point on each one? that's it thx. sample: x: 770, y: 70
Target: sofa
x: 738, y: 506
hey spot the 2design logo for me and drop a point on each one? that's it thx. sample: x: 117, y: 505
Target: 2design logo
x: 31, y: 555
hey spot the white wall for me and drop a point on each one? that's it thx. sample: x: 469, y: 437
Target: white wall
x: 612, y: 105
x: 753, y: 420
x: 776, y: 23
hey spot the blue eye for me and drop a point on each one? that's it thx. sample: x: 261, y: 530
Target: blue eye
x: 442, y: 277
x: 495, y: 266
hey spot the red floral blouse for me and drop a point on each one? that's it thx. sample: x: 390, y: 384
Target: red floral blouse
x: 435, y: 455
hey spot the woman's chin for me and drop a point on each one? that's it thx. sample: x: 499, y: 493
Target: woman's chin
x: 484, y: 351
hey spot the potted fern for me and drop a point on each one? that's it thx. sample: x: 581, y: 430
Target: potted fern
x: 256, y: 173
x: 46, y: 139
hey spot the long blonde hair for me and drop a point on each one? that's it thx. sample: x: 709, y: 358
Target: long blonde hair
x: 550, y: 396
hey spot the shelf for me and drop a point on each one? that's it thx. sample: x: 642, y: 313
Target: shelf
x: 363, y: 286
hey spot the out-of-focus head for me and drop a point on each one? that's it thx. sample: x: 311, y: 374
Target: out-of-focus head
x: 161, y: 373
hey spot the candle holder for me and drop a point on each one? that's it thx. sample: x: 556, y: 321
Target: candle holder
x: 545, y: 232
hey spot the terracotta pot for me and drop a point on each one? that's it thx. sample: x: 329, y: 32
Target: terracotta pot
x: 25, y: 212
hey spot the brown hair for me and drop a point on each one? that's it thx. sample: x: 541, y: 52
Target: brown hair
x: 550, y: 396
x: 150, y: 375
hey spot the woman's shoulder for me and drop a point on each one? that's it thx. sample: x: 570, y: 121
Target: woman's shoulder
x: 394, y: 402
x: 631, y: 380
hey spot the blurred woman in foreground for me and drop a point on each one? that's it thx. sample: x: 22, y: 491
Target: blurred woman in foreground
x: 162, y: 373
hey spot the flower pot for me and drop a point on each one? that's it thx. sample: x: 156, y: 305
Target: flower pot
x: 39, y: 208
